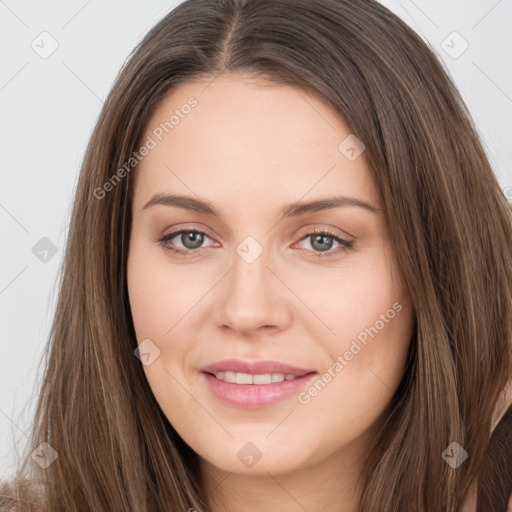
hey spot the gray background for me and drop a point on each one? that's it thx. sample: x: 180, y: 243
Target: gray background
x: 49, y: 104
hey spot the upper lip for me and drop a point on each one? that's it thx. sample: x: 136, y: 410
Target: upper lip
x: 254, y: 368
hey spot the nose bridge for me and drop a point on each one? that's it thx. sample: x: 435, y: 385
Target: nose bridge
x: 251, y: 295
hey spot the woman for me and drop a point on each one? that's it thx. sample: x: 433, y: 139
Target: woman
x: 288, y: 280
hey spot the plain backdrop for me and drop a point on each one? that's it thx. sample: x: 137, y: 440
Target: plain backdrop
x: 58, y: 61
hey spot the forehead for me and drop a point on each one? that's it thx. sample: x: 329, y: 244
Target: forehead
x: 234, y: 138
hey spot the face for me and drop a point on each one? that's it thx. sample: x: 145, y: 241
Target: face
x: 238, y: 269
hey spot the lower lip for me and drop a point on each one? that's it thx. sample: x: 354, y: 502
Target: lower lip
x: 252, y: 396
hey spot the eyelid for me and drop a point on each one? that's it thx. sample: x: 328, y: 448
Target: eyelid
x: 316, y: 228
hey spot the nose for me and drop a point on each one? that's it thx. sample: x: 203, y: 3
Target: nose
x: 252, y: 299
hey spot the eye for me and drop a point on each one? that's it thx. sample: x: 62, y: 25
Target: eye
x: 321, y: 242
x: 191, y: 239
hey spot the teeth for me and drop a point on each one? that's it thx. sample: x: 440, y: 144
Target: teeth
x: 247, y: 378
x: 243, y: 378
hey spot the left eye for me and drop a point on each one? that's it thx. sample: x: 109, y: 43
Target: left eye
x: 321, y: 242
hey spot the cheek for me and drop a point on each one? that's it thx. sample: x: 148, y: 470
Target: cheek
x: 352, y: 299
x: 366, y: 364
x: 370, y: 318
x: 158, y: 294
x: 159, y: 298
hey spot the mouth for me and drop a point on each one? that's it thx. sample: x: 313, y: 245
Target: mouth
x: 255, y: 391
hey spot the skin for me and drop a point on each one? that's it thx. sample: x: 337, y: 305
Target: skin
x: 251, y: 149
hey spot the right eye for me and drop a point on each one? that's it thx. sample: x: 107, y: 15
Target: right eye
x: 191, y: 239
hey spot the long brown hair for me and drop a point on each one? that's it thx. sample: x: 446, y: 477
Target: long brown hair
x: 449, y: 221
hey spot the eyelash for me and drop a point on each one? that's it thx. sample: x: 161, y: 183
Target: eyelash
x: 345, y: 245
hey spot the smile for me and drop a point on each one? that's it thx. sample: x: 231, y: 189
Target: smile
x: 250, y: 391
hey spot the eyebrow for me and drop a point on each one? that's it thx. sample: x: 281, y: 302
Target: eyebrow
x: 292, y: 210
